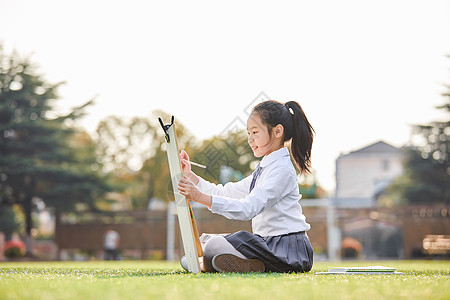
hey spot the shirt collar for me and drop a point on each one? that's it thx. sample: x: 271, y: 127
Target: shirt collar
x: 275, y: 155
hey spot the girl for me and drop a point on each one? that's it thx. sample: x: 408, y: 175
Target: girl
x: 270, y: 197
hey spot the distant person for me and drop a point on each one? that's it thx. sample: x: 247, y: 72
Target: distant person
x: 270, y: 197
x: 111, y: 241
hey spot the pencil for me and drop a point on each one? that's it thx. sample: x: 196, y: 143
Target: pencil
x: 195, y: 164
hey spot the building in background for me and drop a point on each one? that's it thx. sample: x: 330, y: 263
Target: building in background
x: 362, y: 175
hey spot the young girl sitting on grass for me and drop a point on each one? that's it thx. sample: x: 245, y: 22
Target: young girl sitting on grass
x: 269, y: 197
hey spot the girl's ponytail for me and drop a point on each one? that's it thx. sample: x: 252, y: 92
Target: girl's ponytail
x: 302, y: 137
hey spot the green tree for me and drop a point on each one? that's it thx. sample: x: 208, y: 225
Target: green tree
x: 8, y: 221
x: 148, y: 177
x: 229, y: 149
x: 310, y: 188
x: 426, y: 176
x: 133, y: 151
x: 123, y: 145
x: 38, y: 156
x: 424, y: 181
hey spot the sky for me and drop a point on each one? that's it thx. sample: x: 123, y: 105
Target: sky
x: 363, y: 71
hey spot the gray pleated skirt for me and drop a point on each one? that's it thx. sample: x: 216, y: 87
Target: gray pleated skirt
x: 282, y: 253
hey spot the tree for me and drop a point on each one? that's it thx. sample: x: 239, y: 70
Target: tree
x: 8, y: 221
x: 142, y: 139
x: 38, y: 156
x: 426, y: 177
x: 123, y: 145
x: 230, y: 149
x: 310, y: 188
x: 424, y: 181
x: 133, y: 151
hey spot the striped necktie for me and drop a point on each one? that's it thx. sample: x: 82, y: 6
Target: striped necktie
x: 255, y: 176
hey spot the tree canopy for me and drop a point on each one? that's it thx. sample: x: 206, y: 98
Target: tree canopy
x: 426, y: 177
x: 41, y: 154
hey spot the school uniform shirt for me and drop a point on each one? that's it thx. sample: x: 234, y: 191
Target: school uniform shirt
x: 272, y: 205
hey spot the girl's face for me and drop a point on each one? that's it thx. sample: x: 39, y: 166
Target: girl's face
x: 260, y: 139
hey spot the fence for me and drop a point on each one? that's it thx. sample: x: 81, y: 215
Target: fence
x: 144, y: 234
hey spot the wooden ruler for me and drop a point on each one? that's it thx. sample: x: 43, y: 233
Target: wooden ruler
x: 188, y: 228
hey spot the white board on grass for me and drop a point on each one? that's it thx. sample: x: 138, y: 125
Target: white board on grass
x: 188, y: 228
x: 371, y: 270
x: 363, y: 269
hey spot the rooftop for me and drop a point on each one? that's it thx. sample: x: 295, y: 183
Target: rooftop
x: 378, y: 147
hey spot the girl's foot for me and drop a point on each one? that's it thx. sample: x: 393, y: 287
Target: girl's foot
x: 232, y: 263
x: 183, y: 263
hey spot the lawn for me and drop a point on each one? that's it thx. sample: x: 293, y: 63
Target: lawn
x: 165, y: 280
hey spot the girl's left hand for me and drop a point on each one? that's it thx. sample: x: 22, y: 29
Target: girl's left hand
x: 190, y: 191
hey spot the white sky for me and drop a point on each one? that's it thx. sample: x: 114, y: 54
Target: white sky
x: 363, y: 71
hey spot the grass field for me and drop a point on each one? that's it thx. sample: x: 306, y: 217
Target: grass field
x: 165, y: 280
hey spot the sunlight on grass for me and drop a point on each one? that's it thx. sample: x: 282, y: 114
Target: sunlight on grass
x: 166, y: 280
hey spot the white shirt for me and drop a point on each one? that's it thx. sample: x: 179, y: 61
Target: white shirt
x: 111, y: 240
x: 272, y: 205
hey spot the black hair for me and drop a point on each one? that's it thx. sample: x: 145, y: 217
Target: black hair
x: 296, y: 127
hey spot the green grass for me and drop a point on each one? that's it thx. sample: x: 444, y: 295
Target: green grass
x: 164, y: 280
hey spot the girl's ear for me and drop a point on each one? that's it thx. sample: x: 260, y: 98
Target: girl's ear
x: 278, y: 131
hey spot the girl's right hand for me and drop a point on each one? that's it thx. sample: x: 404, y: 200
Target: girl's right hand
x: 185, y: 165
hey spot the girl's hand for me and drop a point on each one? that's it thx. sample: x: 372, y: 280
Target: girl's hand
x: 186, y: 167
x: 190, y: 191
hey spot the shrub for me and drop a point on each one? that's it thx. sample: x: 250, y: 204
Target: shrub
x: 14, y: 249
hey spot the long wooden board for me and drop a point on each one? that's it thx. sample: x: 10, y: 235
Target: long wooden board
x: 188, y: 228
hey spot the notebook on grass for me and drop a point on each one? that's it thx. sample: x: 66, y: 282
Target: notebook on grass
x: 360, y: 270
